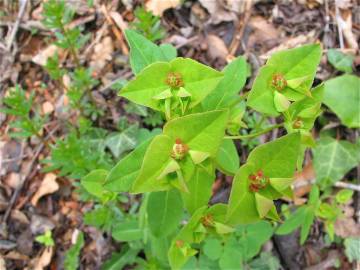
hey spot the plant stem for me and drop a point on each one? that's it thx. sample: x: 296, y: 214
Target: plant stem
x: 252, y: 135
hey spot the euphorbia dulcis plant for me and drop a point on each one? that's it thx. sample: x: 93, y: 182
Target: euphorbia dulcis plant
x: 176, y: 169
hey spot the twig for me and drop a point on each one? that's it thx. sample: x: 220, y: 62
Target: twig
x: 115, y: 30
x: 241, y: 28
x: 338, y: 22
x: 16, y: 25
x: 339, y: 184
x: 252, y: 135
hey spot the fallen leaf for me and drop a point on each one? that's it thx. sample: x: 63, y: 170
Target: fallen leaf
x: 42, y: 57
x: 102, y: 54
x: 345, y: 23
x: 291, y: 43
x: 157, y: 7
x: 48, y: 186
x: 303, y: 180
x: 44, y: 259
x: 263, y: 33
x: 13, y: 180
x: 47, y: 107
x: 216, y: 47
x: 223, y: 11
x: 345, y: 226
x: 40, y: 224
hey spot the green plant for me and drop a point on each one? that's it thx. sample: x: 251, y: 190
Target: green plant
x: 175, y: 170
x: 28, y: 121
x: 148, y: 24
x: 45, y: 239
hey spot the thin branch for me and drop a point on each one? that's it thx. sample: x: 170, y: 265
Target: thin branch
x: 256, y: 134
x: 11, y: 39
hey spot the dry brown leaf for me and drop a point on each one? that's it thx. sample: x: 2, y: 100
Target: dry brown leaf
x: 216, y: 47
x: 264, y: 33
x: 345, y: 23
x: 346, y: 225
x: 220, y: 12
x: 47, y: 107
x: 42, y: 57
x: 291, y: 43
x: 102, y: 54
x: 157, y: 7
x: 44, y: 259
x: 48, y: 186
x: 303, y: 180
x: 13, y: 180
x: 118, y: 19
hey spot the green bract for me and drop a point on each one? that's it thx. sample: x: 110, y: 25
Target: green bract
x: 172, y: 87
x: 274, y: 161
x: 289, y: 74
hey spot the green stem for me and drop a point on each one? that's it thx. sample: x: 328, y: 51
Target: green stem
x: 252, y: 135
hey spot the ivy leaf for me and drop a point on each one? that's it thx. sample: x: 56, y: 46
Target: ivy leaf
x: 127, y: 231
x: 200, y: 190
x: 201, y: 131
x: 340, y: 60
x: 142, y: 51
x: 232, y: 257
x: 352, y: 250
x: 118, y: 143
x: 165, y: 209
x: 228, y: 88
x: 147, y: 88
x: 227, y: 159
x: 342, y: 96
x: 297, y: 66
x: 122, y: 176
x: 333, y: 159
x: 276, y: 159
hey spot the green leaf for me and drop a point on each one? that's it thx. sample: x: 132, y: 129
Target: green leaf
x: 213, y: 248
x: 340, y: 60
x: 200, y: 190
x: 127, y: 231
x: 123, y: 175
x: 252, y: 237
x: 180, y: 250
x: 201, y: 131
x: 165, y: 210
x: 120, y: 260
x: 306, y: 225
x: 342, y: 96
x: 227, y: 159
x: 344, y: 196
x: 352, y: 249
x: 297, y: 66
x: 143, y: 52
x: 293, y: 222
x: 94, y: 181
x: 277, y: 159
x: 231, y: 257
x: 228, y: 88
x: 72, y: 256
x: 169, y: 51
x: 156, y: 159
x: 266, y: 261
x: 281, y: 102
x: 198, y: 79
x: 333, y: 159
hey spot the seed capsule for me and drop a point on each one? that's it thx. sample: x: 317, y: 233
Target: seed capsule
x: 298, y: 123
